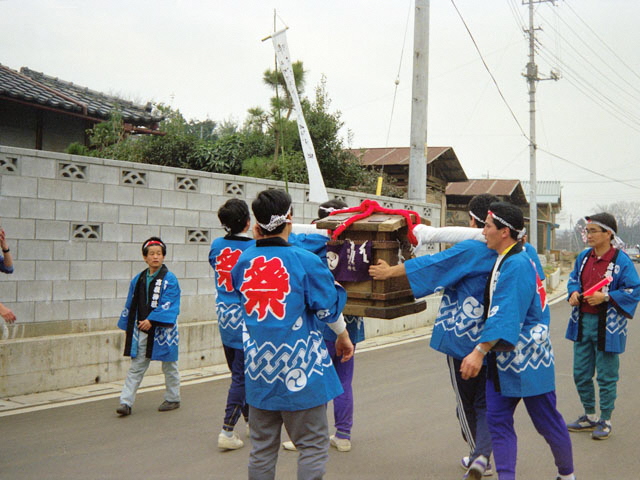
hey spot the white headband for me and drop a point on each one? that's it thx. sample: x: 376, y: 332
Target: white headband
x: 329, y: 209
x: 477, y: 219
x: 616, y: 241
x: 521, y: 233
x: 275, y: 221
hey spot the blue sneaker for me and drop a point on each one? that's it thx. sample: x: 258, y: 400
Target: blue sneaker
x: 602, y: 431
x: 583, y: 424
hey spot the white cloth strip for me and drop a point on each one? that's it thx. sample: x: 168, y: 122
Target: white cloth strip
x: 338, y: 326
x: 317, y: 190
x: 306, y: 228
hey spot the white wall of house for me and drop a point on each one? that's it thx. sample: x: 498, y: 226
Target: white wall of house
x: 75, y: 226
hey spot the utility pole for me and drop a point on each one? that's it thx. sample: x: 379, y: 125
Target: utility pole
x: 419, y: 89
x: 532, y: 77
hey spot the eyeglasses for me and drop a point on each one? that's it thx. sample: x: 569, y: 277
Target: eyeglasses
x: 591, y: 231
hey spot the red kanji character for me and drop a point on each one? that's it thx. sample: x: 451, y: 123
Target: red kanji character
x: 265, y: 287
x: 541, y: 291
x: 225, y: 262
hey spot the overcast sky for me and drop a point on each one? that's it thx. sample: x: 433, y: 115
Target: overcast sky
x: 206, y: 58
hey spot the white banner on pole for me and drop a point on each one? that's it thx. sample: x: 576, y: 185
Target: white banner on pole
x: 317, y: 190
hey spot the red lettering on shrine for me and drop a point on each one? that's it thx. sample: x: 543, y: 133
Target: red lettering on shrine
x: 225, y: 262
x: 265, y: 287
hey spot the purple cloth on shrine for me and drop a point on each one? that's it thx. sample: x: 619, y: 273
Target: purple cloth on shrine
x: 350, y: 261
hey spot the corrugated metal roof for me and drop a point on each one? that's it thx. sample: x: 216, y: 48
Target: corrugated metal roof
x: 501, y: 188
x: 546, y: 191
x: 40, y: 89
x: 444, y: 157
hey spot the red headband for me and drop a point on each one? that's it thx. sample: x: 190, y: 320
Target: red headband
x: 154, y: 242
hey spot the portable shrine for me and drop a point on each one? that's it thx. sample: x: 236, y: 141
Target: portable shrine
x: 361, y: 236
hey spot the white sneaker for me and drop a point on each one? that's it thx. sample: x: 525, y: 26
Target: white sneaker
x: 229, y: 443
x: 342, y: 444
x: 289, y: 446
x: 465, y: 464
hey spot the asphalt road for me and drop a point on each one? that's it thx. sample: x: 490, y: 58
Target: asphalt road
x: 405, y: 428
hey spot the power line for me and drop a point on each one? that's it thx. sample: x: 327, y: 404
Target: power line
x: 397, y: 81
x: 582, y: 167
x: 488, y: 70
x: 612, y: 51
x: 577, y: 165
x: 586, y: 60
x: 515, y: 11
x: 596, y: 96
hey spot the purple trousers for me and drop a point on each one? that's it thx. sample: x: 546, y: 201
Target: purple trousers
x: 546, y: 419
x: 342, y: 404
x: 236, y: 404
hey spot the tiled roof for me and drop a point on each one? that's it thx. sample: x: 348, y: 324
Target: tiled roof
x: 42, y: 90
x: 444, y: 157
x: 19, y: 87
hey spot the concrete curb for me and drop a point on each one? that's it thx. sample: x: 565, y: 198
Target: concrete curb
x: 71, y: 396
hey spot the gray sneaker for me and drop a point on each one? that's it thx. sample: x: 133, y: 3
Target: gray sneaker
x: 166, y: 406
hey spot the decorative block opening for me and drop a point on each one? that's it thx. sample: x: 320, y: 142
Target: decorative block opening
x: 198, y: 236
x: 188, y: 184
x: 87, y: 232
x: 133, y: 177
x: 235, y: 189
x: 72, y: 171
x: 8, y: 165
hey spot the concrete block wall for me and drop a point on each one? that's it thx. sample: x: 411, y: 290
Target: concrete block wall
x: 75, y: 226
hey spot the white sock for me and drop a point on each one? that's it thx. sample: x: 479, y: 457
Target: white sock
x: 593, y: 417
x: 227, y: 433
x: 567, y: 477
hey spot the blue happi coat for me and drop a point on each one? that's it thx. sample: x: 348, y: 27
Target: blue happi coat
x: 163, y: 299
x: 519, y: 316
x: 460, y: 272
x: 317, y: 244
x: 286, y: 293
x: 624, y: 292
x: 223, y: 256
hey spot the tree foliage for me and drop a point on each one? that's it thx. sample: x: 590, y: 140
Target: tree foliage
x: 266, y: 145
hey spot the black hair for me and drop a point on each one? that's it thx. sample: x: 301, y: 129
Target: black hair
x: 606, y: 219
x: 268, y: 203
x: 325, y: 208
x: 479, y: 205
x: 153, y: 241
x: 509, y: 213
x: 234, y: 215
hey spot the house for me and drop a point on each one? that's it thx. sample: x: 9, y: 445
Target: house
x: 514, y: 191
x: 443, y: 167
x: 549, y: 203
x: 46, y: 113
x: 459, y: 194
